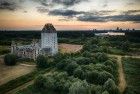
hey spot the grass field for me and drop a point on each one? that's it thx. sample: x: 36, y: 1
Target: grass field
x: 132, y: 72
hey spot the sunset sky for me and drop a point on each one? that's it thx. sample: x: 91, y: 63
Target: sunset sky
x: 69, y: 14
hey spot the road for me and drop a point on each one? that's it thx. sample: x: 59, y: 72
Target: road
x: 122, y: 81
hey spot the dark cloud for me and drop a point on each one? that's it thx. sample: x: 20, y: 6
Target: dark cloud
x: 131, y: 12
x: 8, y: 5
x: 62, y: 2
x: 123, y: 18
x: 68, y: 13
x: 42, y: 10
x: 98, y: 16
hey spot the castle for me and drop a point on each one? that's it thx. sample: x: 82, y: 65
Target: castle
x: 47, y: 46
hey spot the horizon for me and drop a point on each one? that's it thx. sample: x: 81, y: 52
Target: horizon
x: 69, y: 15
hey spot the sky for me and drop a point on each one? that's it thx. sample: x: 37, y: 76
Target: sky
x: 69, y: 14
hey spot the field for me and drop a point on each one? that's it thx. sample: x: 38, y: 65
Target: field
x: 8, y: 73
x: 69, y: 48
x: 132, y: 72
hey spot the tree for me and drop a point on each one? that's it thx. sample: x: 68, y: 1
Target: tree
x: 62, y: 64
x: 71, y: 67
x: 92, y: 76
x: 101, y: 57
x: 105, y: 92
x: 103, y: 77
x: 111, y: 87
x: 40, y: 83
x: 83, y: 60
x: 10, y: 59
x: 41, y: 62
x: 78, y: 72
x: 79, y: 87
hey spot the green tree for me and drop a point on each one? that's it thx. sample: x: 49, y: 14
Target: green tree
x: 79, y: 87
x: 78, y: 72
x: 92, y: 77
x: 105, y: 92
x: 111, y: 87
x: 103, y: 77
x: 71, y: 67
x: 101, y: 57
x: 10, y: 59
x: 41, y: 61
x: 40, y: 83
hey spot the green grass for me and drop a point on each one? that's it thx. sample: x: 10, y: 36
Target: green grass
x: 132, y: 72
x: 4, y: 50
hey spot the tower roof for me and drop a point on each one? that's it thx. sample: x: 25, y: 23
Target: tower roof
x: 49, y: 28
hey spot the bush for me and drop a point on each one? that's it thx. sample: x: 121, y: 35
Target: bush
x: 101, y: 57
x: 83, y: 60
x: 40, y: 82
x: 79, y: 87
x: 10, y: 59
x: 71, y: 67
x: 92, y: 76
x: 78, y: 72
x: 62, y: 64
x: 111, y: 87
x: 41, y: 62
x: 103, y: 77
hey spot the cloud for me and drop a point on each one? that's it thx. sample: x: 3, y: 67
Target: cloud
x: 8, y: 5
x: 66, y: 13
x: 131, y: 12
x: 42, y: 10
x: 123, y: 18
x: 56, y: 2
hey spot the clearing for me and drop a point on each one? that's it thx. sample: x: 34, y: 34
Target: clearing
x: 8, y: 73
x: 69, y: 48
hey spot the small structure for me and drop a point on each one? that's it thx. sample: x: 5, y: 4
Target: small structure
x: 110, y: 34
x: 47, y: 46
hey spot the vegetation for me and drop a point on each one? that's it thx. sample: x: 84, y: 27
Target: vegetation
x: 78, y: 73
x: 10, y: 59
x: 132, y: 72
x: 90, y: 71
x: 42, y: 62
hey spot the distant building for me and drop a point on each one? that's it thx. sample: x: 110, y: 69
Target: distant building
x: 47, y: 46
x: 110, y: 34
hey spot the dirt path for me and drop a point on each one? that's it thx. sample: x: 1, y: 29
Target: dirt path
x: 122, y: 82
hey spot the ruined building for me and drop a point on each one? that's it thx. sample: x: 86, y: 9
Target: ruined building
x: 47, y: 46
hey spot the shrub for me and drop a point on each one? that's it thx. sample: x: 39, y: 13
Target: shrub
x: 101, y: 57
x: 71, y: 67
x: 78, y: 72
x: 10, y: 59
x: 111, y: 87
x: 105, y: 92
x: 62, y: 64
x: 92, y: 76
x: 41, y: 62
x: 79, y: 87
x: 83, y: 60
x: 40, y: 82
x: 103, y: 77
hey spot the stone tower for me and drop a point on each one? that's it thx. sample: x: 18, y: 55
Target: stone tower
x: 49, y: 38
x: 13, y: 47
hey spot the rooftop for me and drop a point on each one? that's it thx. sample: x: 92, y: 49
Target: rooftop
x: 49, y: 28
